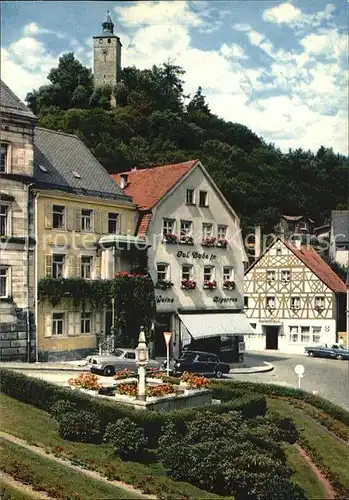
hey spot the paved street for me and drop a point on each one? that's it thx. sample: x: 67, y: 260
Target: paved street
x: 330, y: 378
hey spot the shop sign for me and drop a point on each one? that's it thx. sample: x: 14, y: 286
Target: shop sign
x: 195, y: 255
x: 160, y: 300
x: 224, y: 300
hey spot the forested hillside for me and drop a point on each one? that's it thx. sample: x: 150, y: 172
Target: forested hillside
x: 154, y: 123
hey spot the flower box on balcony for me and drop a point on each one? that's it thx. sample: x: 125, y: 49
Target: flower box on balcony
x: 164, y: 284
x: 186, y: 240
x: 229, y: 285
x: 188, y: 284
x: 208, y: 242
x: 170, y: 238
x: 222, y: 243
x: 210, y: 285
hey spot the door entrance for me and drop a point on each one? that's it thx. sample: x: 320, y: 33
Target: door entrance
x: 272, y: 337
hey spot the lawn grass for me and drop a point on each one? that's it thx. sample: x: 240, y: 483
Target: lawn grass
x: 9, y: 492
x: 39, y: 428
x: 54, y: 478
x: 330, y: 454
x: 304, y: 475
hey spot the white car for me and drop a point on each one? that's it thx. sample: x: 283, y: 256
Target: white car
x: 120, y: 359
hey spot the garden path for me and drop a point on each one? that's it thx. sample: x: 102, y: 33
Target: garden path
x: 67, y: 463
x: 330, y: 493
x: 25, y: 489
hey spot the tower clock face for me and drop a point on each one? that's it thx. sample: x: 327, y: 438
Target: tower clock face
x: 105, y: 52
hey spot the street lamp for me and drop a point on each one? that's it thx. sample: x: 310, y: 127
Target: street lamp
x: 142, y: 357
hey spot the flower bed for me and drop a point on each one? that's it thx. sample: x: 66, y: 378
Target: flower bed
x: 122, y: 374
x: 195, y: 381
x: 130, y: 389
x: 85, y: 381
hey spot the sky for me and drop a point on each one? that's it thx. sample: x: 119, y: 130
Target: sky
x: 280, y: 68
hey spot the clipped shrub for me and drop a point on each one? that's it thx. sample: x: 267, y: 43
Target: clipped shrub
x: 81, y: 426
x: 60, y: 407
x: 125, y: 437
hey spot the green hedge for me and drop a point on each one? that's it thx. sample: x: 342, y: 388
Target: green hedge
x: 44, y: 395
x: 288, y: 392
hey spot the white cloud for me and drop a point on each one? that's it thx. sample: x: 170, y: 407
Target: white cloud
x: 35, y: 29
x: 282, y: 13
x: 233, y: 51
x: 243, y: 27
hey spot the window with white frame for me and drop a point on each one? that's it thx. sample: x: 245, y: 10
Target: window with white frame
x: 162, y: 271
x: 86, y: 322
x: 271, y: 275
x: 58, y: 324
x: 293, y: 336
x: 207, y: 230
x: 203, y: 199
x: 228, y: 273
x: 4, y: 281
x: 316, y: 333
x: 278, y: 251
x: 113, y: 222
x: 58, y: 216
x: 86, y: 267
x: 208, y: 273
x: 4, y: 157
x: 168, y: 226
x: 58, y: 265
x: 305, y: 333
x: 221, y: 232
x: 86, y: 219
x: 285, y: 275
x: 190, y: 199
x: 187, y: 271
x: 4, y: 220
x: 270, y: 302
x: 303, y: 225
x: 186, y: 228
x: 320, y: 302
x: 295, y: 302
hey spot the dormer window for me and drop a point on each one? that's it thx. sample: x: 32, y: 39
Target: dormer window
x: 203, y: 199
x: 190, y: 199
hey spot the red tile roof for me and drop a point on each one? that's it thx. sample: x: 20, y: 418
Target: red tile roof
x: 147, y: 186
x: 315, y: 263
x: 143, y: 225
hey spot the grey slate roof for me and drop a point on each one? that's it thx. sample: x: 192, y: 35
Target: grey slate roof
x: 340, y: 225
x: 11, y: 103
x: 62, y: 154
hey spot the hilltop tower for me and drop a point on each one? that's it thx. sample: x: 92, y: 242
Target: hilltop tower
x: 106, y: 55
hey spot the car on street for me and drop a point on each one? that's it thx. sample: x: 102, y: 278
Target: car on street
x: 120, y: 359
x: 203, y: 363
x: 334, y: 352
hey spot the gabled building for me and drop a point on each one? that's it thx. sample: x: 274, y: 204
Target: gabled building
x: 292, y: 299
x: 339, y: 237
x: 196, y: 255
x: 294, y: 224
x: 82, y: 223
x: 16, y: 228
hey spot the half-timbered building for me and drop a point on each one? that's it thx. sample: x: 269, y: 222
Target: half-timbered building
x: 292, y: 299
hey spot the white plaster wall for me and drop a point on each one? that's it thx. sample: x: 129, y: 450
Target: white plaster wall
x: 342, y: 257
x: 175, y: 207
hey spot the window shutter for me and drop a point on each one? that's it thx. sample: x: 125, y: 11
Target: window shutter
x: 72, y: 266
x: 48, y: 216
x: 97, y: 269
x: 9, y: 221
x: 69, y: 219
x: 71, y: 324
x: 119, y: 225
x: 77, y: 323
x: 77, y: 219
x: 78, y: 266
x: 97, y: 221
x: 48, y: 325
x: 97, y: 323
x: 48, y: 266
x: 105, y: 222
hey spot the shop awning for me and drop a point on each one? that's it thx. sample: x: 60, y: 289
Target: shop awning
x: 213, y: 325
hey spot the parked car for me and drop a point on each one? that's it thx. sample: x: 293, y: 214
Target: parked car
x: 203, y: 363
x: 109, y: 364
x: 336, y: 351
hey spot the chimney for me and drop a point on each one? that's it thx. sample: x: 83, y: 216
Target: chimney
x: 123, y: 180
x: 257, y: 242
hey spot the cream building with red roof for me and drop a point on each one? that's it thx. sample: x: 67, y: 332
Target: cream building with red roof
x: 293, y: 299
x: 196, y: 256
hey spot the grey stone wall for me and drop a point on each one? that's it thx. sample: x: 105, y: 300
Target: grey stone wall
x: 13, y: 340
x: 106, y: 67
